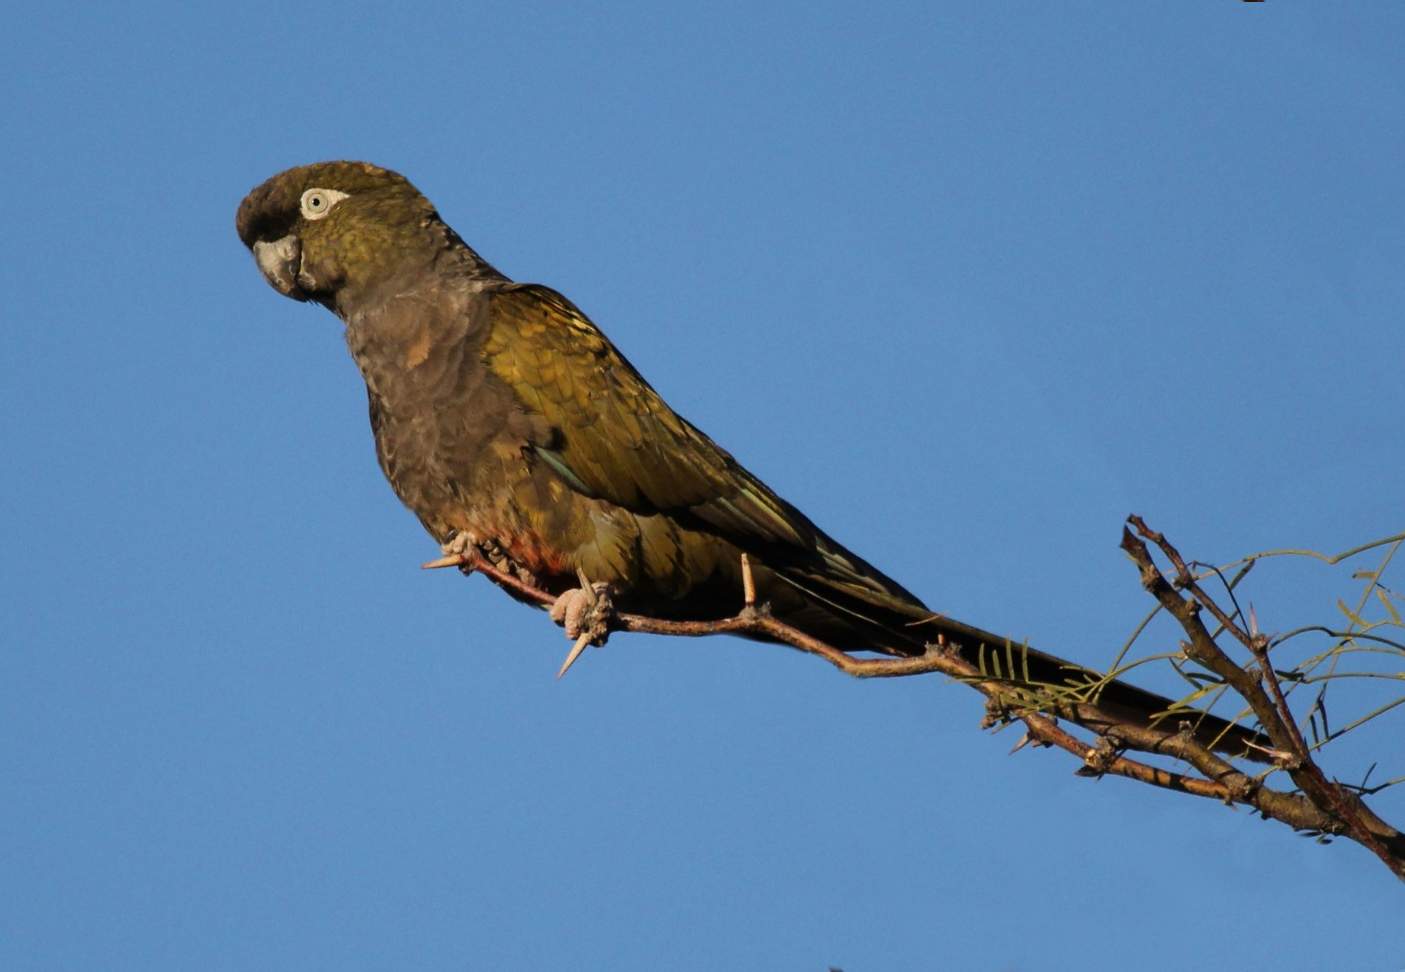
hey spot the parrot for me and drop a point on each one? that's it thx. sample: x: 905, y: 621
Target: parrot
x: 515, y: 430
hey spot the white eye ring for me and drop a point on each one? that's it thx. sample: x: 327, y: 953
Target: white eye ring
x: 317, y: 203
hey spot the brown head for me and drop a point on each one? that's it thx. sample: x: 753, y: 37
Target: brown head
x: 325, y: 231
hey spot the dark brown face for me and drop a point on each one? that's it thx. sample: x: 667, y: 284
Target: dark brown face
x: 318, y: 228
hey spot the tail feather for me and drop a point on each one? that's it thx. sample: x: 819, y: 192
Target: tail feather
x: 892, y: 621
x: 1122, y: 701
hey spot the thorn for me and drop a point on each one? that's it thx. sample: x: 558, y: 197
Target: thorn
x: 748, y: 583
x: 588, y: 589
x: 1276, y: 756
x: 573, y: 654
x: 451, y: 560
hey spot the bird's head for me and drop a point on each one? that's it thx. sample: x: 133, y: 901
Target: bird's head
x: 322, y: 231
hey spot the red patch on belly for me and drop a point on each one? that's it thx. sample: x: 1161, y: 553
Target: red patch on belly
x: 535, y: 554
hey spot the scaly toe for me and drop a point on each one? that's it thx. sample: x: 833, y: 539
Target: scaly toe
x: 584, y: 612
x: 461, y: 544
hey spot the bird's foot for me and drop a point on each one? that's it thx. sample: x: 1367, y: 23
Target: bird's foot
x: 461, y: 550
x: 461, y: 543
x: 586, y: 612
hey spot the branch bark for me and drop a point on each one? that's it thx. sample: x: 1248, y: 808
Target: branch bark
x: 1320, y: 806
x: 1347, y: 811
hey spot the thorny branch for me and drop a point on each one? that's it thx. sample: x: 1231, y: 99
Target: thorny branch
x: 1348, y: 813
x: 1318, y: 806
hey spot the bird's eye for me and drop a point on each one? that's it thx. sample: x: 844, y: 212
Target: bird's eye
x: 317, y: 203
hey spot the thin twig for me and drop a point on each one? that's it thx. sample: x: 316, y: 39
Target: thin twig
x: 1270, y: 707
x: 1322, y: 807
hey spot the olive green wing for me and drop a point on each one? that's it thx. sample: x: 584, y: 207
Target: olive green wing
x: 614, y: 438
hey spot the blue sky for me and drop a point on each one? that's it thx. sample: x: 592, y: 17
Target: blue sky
x: 966, y: 282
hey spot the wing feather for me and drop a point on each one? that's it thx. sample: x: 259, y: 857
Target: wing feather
x: 614, y: 438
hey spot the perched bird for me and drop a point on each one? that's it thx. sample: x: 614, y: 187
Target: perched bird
x: 510, y: 425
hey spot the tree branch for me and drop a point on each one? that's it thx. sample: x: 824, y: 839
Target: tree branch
x: 1321, y: 807
x: 1347, y: 811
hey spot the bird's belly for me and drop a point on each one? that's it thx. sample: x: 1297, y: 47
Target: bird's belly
x: 523, y: 522
x: 526, y: 520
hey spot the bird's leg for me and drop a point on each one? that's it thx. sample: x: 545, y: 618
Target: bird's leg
x: 586, y: 612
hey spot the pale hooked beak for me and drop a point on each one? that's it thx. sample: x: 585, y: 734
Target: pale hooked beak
x: 280, y: 262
